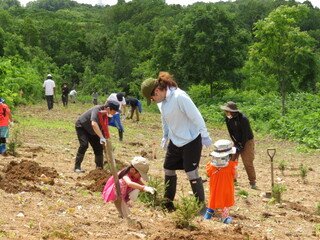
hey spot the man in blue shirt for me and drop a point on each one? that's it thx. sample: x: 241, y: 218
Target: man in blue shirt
x: 186, y: 131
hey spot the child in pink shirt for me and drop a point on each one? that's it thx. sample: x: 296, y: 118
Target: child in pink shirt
x: 132, y: 181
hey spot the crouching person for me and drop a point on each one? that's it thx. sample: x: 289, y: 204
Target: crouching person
x: 222, y: 172
x: 132, y: 182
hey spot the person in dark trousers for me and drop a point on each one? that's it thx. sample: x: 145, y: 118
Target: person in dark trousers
x: 135, y: 106
x: 64, y: 94
x: 95, y: 98
x: 88, y: 128
x: 50, y: 90
x: 185, y: 129
x: 242, y: 136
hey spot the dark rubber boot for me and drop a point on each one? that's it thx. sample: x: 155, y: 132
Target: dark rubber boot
x: 99, y: 161
x: 120, y: 135
x: 170, y: 192
x: 77, y: 166
x: 198, y: 191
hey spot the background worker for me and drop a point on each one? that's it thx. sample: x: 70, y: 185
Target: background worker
x: 116, y: 119
x: 95, y: 98
x: 73, y: 95
x: 135, y: 106
x: 64, y: 94
x: 5, y: 121
x: 88, y: 128
x: 50, y: 89
x: 242, y: 136
x: 186, y: 131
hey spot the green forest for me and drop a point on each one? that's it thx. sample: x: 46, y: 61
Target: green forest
x: 262, y: 54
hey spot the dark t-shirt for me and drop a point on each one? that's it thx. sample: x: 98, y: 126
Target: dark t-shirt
x: 85, y: 119
x: 133, y: 102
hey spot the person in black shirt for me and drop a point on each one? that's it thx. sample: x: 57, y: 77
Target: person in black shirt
x: 135, y: 106
x: 88, y: 128
x: 242, y: 136
x: 65, y: 93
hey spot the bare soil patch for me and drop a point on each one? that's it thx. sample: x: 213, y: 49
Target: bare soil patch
x: 42, y: 198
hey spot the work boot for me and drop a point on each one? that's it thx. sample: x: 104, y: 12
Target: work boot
x: 120, y: 135
x: 198, y: 191
x: 170, y: 192
x: 77, y: 166
x: 99, y: 161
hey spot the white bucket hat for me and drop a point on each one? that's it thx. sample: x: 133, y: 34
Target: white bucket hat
x: 223, y: 148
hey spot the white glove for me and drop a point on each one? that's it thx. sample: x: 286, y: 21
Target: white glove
x: 11, y: 124
x: 149, y: 189
x: 206, y: 141
x: 103, y: 140
x: 164, y: 143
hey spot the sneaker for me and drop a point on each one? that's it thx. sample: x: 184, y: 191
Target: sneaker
x: 79, y: 170
x: 253, y: 186
x: 227, y: 220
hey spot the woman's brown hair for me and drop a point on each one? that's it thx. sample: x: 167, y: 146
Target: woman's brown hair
x: 165, y: 80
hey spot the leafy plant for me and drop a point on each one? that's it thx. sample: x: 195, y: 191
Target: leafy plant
x: 243, y: 193
x: 303, y: 172
x: 155, y: 199
x: 14, y: 143
x: 318, y: 230
x: 277, y: 191
x: 282, y: 166
x: 186, y: 210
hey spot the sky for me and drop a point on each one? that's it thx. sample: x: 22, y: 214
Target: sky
x: 315, y: 3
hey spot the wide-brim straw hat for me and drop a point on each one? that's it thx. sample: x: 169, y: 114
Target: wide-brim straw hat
x: 230, y: 107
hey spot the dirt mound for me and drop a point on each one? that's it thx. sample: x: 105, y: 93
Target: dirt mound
x: 28, y: 170
x: 14, y: 174
x: 99, y: 177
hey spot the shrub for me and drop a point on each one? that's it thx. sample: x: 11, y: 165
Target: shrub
x: 186, y: 211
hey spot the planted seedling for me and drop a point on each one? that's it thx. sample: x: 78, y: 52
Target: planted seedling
x: 282, y: 166
x: 186, y: 211
x: 277, y: 191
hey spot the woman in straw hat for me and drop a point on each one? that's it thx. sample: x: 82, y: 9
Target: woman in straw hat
x: 242, y: 136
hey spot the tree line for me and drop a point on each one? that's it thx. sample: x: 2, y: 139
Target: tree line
x: 265, y: 45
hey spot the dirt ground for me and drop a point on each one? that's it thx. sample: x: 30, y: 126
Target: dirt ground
x: 42, y: 198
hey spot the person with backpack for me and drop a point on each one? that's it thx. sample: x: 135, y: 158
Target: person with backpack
x: 5, y: 121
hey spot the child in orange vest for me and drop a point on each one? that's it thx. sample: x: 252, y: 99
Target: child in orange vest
x: 222, y: 172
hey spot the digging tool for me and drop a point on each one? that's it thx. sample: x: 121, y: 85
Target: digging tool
x: 108, y: 153
x: 271, y: 153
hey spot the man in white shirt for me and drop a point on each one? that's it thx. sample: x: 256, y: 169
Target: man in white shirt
x: 50, y: 90
x: 116, y: 119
